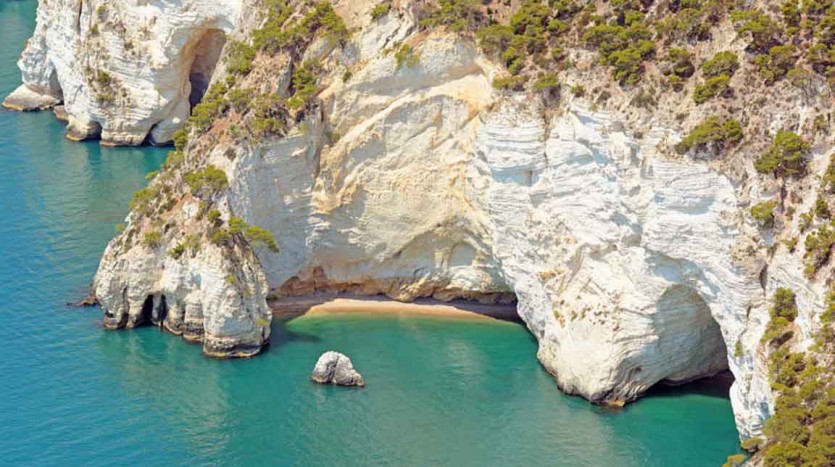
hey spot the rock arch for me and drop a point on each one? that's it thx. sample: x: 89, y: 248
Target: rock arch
x: 688, y: 337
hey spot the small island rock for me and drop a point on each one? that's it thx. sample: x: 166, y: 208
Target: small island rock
x: 336, y: 368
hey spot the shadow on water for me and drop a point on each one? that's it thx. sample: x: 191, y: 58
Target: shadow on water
x: 282, y: 336
x: 718, y: 386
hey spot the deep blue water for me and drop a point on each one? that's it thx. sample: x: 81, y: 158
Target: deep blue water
x: 439, y: 392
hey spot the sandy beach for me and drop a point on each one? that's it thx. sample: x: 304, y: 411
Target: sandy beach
x: 288, y: 308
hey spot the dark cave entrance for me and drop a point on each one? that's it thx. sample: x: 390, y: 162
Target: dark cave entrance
x: 154, y: 311
x: 204, y: 56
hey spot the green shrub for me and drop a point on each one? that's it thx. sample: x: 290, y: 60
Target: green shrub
x: 276, y: 34
x: 829, y: 176
x: 259, y: 237
x: 783, y: 311
x: 510, y: 83
x: 406, y: 55
x: 239, y: 57
x: 546, y: 83
x: 751, y: 444
x: 764, y: 31
x: 623, y: 47
x: 456, y: 15
x: 784, y: 304
x: 763, y: 213
x: 627, y: 63
x: 530, y: 19
x: 777, y: 332
x: 788, y: 454
x: 180, y: 140
x: 305, y: 84
x: 801, y: 431
x: 825, y: 31
x: 174, y: 159
x: 822, y: 208
x: 380, y: 10
x: 237, y: 225
x: 269, y: 117
x: 712, y: 87
x: 578, y: 90
x: 177, y: 251
x: 723, y: 63
x: 821, y: 57
x: 786, y: 157
x: 685, y: 25
x: 606, y: 38
x: 818, y: 249
x: 192, y: 243
x: 682, y: 62
x: 212, y: 107
x: 774, y: 65
x: 143, y: 199
x: 790, y: 10
x: 514, y: 59
x: 806, y: 220
x: 495, y: 39
x: 152, y: 239
x: 711, y: 134
x: 240, y: 99
x: 208, y: 181
x: 221, y: 237
x: 735, y: 460
x: 213, y: 216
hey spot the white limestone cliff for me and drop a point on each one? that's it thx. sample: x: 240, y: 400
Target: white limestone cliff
x: 210, y: 294
x: 122, y: 68
x: 631, y: 265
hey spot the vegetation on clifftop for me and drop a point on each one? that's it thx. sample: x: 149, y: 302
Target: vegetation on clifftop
x: 801, y: 432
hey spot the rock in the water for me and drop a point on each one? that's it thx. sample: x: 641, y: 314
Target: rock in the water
x: 336, y: 368
x: 25, y: 98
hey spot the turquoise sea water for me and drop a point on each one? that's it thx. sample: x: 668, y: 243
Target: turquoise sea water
x: 439, y: 392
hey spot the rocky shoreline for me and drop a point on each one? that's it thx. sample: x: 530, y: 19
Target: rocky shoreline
x: 375, y: 155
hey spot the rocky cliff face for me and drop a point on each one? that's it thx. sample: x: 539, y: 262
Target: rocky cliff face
x: 631, y: 265
x: 123, y: 70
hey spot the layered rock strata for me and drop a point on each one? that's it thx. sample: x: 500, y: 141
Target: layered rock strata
x: 631, y: 265
x: 124, y: 70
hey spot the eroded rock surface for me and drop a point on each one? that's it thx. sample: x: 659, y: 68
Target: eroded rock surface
x: 124, y: 69
x: 336, y: 368
x: 632, y: 265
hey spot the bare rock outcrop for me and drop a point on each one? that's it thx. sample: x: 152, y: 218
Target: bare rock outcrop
x: 336, y: 368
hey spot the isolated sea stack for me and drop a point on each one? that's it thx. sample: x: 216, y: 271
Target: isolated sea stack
x: 336, y: 368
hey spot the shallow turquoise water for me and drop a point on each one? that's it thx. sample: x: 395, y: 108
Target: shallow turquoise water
x: 439, y: 392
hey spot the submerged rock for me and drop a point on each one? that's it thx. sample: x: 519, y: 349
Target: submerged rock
x: 336, y: 368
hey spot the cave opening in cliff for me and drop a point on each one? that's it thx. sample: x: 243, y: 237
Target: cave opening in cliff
x: 204, y: 54
x: 147, y: 314
x: 689, y: 338
x: 154, y: 311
